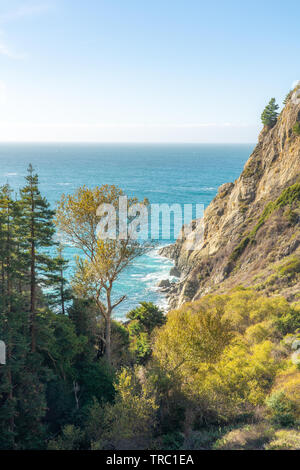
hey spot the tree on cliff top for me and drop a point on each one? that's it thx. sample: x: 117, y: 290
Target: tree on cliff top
x: 270, y: 113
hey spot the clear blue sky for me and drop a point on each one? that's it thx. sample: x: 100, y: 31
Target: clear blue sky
x: 143, y: 70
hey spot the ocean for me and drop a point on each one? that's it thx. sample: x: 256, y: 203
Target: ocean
x: 163, y: 173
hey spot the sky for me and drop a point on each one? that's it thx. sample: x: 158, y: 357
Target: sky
x: 143, y: 71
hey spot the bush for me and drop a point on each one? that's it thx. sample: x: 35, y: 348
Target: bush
x: 172, y: 441
x: 249, y: 437
x: 281, y: 409
x: 285, y: 440
x: 130, y: 421
x: 290, y: 267
x: 204, y: 439
x: 71, y: 439
x: 296, y: 128
x: 289, y: 197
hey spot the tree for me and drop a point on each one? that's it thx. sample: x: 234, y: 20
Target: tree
x: 11, y: 320
x: 103, y: 259
x: 144, y: 319
x: 22, y: 398
x: 131, y: 420
x: 60, y: 289
x: 148, y: 316
x: 270, y: 114
x: 38, y: 227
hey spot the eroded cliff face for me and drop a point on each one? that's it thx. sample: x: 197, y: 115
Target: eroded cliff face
x: 249, y: 232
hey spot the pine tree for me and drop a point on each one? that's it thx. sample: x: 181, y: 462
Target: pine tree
x: 38, y: 231
x: 13, y: 319
x: 270, y: 114
x: 60, y: 292
x: 6, y: 255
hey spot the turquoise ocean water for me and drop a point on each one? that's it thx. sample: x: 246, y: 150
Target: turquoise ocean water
x: 184, y: 174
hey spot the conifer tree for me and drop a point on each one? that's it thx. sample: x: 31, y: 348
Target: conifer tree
x: 38, y: 230
x: 7, y: 208
x: 60, y: 289
x: 270, y: 114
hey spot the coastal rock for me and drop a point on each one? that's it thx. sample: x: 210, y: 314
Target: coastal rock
x: 164, y: 283
x: 174, y: 272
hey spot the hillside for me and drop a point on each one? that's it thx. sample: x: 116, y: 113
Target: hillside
x: 251, y: 228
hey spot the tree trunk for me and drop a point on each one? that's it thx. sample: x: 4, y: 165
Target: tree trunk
x: 62, y: 296
x: 10, y: 396
x: 108, y: 337
x: 32, y: 289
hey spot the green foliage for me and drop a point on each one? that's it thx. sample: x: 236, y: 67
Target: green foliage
x: 147, y: 316
x: 70, y: 439
x: 284, y: 440
x: 207, y: 367
x: 287, y: 97
x: 95, y: 381
x: 296, y: 128
x: 291, y: 267
x: 270, y: 114
x: 289, y: 321
x: 281, y: 409
x: 172, y: 441
x: 103, y: 259
x: 144, y: 319
x: 120, y: 350
x: 221, y: 350
x: 249, y: 437
x: 61, y: 292
x: 53, y: 369
x: 130, y: 421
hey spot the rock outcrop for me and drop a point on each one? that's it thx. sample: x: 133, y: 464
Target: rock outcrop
x: 251, y: 228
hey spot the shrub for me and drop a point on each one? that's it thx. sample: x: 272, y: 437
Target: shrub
x: 290, y: 267
x: 204, y: 439
x: 172, y: 441
x: 287, y: 393
x: 281, y: 409
x: 71, y: 439
x: 296, y: 128
x: 285, y: 440
x: 249, y: 437
x: 289, y: 197
x: 130, y: 421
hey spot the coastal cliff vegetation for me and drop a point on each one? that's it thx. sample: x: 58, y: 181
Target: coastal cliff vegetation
x: 221, y: 370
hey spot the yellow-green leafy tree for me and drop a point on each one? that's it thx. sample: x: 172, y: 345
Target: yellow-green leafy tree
x: 103, y: 259
x: 225, y: 350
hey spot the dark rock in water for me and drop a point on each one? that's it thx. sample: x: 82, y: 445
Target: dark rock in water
x: 175, y: 272
x: 164, y: 283
x: 167, y: 251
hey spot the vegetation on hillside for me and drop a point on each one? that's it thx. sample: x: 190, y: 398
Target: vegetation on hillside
x: 219, y: 373
x: 289, y: 199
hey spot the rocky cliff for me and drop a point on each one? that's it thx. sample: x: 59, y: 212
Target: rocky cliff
x: 252, y: 226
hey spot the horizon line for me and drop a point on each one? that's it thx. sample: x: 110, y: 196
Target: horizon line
x: 84, y: 142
